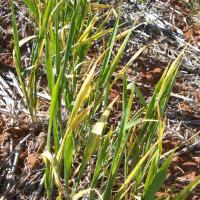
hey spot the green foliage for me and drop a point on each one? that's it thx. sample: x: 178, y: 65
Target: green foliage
x: 121, y: 159
x: 188, y: 189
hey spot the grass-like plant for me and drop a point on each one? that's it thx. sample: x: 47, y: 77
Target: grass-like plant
x: 125, y: 159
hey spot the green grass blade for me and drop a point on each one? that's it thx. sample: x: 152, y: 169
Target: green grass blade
x: 158, y: 179
x: 141, y: 97
x: 94, y: 139
x: 107, y: 57
x: 121, y: 142
x: 49, y: 67
x: 17, y: 59
x: 68, y: 153
x: 101, y: 157
x: 32, y: 8
x: 134, y: 172
x: 182, y: 195
x: 152, y: 170
x: 116, y: 60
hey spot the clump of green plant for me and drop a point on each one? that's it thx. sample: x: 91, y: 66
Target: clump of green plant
x: 193, y: 5
x: 125, y: 159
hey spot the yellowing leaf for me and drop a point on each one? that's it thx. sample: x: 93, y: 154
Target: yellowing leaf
x: 98, y: 127
x: 47, y: 156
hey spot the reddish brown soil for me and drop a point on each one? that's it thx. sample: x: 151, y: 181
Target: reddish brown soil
x: 184, y: 169
x: 33, y: 161
x: 150, y: 77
